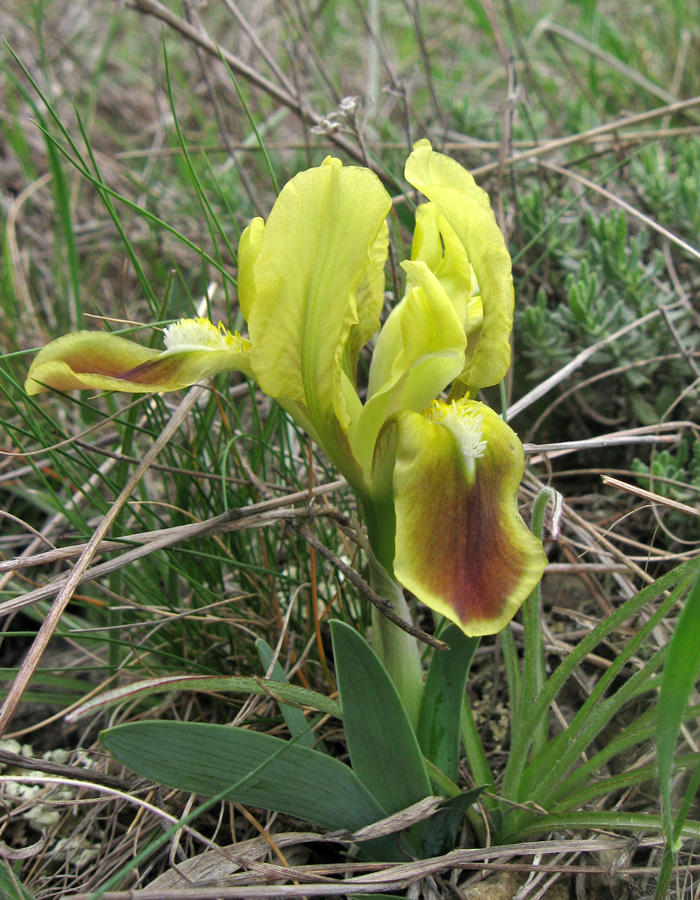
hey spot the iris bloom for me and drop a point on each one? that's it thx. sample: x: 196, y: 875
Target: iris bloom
x: 437, y: 480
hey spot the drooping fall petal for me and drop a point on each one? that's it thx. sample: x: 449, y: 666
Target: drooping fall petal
x: 467, y: 209
x: 87, y: 360
x: 461, y: 546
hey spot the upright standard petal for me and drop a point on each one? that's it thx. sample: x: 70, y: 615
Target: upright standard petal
x: 420, y: 350
x: 317, y: 251
x: 312, y: 288
x: 436, y: 244
x: 461, y: 546
x: 248, y: 249
x: 369, y: 297
x: 467, y: 209
x: 88, y: 360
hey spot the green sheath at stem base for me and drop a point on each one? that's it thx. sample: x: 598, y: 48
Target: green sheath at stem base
x: 397, y: 650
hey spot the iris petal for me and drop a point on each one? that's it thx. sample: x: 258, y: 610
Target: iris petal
x: 315, y: 284
x: 316, y: 247
x: 99, y: 361
x: 461, y: 546
x: 369, y: 298
x: 467, y: 209
x: 436, y: 244
x: 420, y: 350
x: 248, y: 250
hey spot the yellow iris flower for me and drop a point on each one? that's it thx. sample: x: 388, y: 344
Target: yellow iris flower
x: 437, y: 481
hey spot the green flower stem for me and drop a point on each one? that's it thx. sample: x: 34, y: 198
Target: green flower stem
x: 396, y: 649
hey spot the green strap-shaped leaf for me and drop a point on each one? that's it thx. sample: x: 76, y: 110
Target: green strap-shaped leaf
x: 440, y: 712
x: 294, y: 717
x: 206, y: 759
x: 439, y: 728
x: 383, y: 748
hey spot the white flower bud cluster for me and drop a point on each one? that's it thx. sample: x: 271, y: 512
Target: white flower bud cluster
x: 346, y: 111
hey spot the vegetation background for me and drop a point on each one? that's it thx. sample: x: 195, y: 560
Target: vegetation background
x: 136, y: 140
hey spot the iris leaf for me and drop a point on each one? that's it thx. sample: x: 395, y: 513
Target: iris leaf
x: 206, y: 759
x: 383, y: 748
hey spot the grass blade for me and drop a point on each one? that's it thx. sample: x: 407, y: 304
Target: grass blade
x: 679, y: 675
x: 240, y: 685
x: 438, y: 725
x: 294, y: 717
x: 528, y: 728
